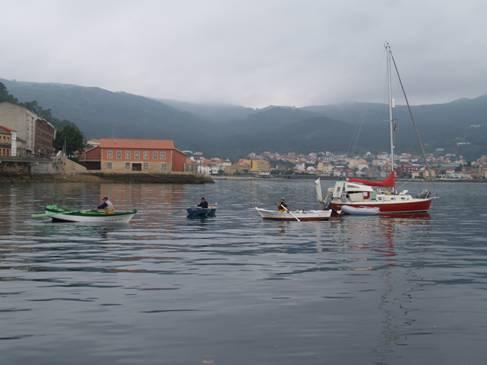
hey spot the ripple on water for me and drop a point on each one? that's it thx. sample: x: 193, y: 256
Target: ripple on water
x: 356, y: 290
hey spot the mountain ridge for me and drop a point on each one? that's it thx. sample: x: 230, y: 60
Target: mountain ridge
x: 232, y: 130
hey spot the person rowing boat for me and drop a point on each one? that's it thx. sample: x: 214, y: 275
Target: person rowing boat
x: 107, y: 206
x: 282, y: 206
x: 203, y: 203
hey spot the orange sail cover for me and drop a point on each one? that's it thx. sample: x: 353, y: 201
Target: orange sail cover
x: 388, y: 182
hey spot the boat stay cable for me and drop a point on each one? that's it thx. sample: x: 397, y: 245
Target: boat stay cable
x: 411, y: 116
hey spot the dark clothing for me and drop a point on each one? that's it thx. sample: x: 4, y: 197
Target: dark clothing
x: 106, y: 204
x: 282, y: 206
x: 203, y: 204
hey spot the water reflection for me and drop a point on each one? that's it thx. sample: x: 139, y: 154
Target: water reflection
x: 359, y: 289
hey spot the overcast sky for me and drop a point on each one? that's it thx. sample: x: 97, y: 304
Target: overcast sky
x: 247, y: 52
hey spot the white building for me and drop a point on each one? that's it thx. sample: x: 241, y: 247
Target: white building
x: 20, y: 119
x: 25, y: 123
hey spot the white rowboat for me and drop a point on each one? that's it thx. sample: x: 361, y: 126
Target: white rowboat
x: 302, y: 215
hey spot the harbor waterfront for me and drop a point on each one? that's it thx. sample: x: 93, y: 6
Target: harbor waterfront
x: 234, y: 289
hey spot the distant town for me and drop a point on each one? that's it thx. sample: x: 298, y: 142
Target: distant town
x: 440, y: 165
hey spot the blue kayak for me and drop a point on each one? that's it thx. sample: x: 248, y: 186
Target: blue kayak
x: 198, y: 212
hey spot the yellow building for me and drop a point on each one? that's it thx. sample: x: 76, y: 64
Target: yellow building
x: 5, y: 141
x: 325, y: 167
x: 260, y: 166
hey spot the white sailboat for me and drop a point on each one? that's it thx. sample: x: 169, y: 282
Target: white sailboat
x: 382, y: 195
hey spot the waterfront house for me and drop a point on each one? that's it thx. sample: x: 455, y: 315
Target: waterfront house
x: 10, y: 144
x: 119, y: 155
x: 37, y: 133
x: 6, y: 137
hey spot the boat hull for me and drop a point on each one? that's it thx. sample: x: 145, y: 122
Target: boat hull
x: 88, y: 216
x: 59, y: 217
x: 349, y: 210
x: 390, y: 207
x: 302, y: 215
x: 198, y: 212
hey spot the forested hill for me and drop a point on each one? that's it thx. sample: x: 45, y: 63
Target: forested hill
x: 230, y: 130
x: 459, y: 126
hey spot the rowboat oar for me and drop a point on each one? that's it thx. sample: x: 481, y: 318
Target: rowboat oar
x: 287, y: 210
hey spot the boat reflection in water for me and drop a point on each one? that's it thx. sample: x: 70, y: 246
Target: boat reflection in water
x: 384, y: 254
x: 379, y: 233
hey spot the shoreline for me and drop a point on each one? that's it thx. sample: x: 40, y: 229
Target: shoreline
x: 180, y: 178
x: 328, y: 178
x: 110, y: 178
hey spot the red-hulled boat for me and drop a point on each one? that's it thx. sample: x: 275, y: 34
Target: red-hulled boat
x: 360, y: 193
x: 382, y: 194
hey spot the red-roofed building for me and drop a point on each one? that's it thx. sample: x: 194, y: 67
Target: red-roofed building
x: 122, y: 155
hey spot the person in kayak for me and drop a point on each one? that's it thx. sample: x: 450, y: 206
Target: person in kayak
x: 203, y: 203
x: 107, y: 206
x: 282, y: 207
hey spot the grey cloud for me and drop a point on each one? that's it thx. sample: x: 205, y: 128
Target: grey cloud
x: 249, y: 52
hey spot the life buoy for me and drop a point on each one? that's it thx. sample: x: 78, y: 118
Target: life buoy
x: 366, y: 195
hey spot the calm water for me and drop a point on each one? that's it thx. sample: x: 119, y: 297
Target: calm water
x: 236, y: 290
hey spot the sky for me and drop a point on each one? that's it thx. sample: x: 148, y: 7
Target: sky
x: 249, y: 52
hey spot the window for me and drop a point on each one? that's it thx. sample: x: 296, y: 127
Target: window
x: 137, y: 155
x: 119, y: 155
x: 162, y: 155
x: 146, y: 166
x: 127, y: 165
x: 154, y: 155
x: 146, y: 155
x: 164, y: 167
x: 127, y: 155
x: 136, y: 167
x: 109, y: 155
x: 109, y: 165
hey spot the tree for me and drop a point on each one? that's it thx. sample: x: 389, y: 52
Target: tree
x: 70, y: 136
x: 5, y: 96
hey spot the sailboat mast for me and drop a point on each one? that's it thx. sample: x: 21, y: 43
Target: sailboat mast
x: 391, y: 121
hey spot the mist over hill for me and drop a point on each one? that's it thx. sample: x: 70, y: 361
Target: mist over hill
x: 212, y: 111
x: 231, y: 130
x: 459, y: 126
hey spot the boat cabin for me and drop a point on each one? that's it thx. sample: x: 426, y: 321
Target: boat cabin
x: 345, y: 191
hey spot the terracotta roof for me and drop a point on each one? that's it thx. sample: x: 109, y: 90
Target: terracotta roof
x: 6, y: 129
x: 137, y: 143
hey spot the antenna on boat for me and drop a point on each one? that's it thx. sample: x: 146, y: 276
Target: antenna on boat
x: 390, y: 101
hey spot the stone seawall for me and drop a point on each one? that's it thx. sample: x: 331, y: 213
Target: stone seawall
x: 155, y: 178
x: 109, y: 178
x: 14, y: 169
